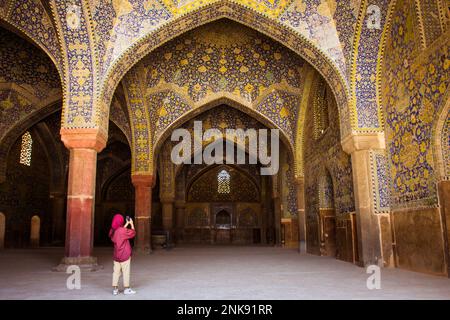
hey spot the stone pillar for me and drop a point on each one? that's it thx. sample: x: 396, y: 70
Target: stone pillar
x: 84, y: 144
x: 277, y: 217
x: 263, y: 224
x: 167, y: 214
x: 57, y: 203
x: 263, y: 210
x: 180, y: 206
x: 277, y: 203
x: 143, y: 185
x: 369, y: 235
x: 35, y: 232
x: 300, y: 188
x: 167, y: 218
x: 167, y: 188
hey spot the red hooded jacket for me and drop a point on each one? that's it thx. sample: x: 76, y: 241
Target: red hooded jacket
x: 121, y: 236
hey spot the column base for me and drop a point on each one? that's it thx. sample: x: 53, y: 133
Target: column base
x: 84, y: 263
x: 302, y: 247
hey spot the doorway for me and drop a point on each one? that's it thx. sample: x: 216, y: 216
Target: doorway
x: 222, y: 223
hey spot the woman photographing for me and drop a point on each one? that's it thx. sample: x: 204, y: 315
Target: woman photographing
x: 120, y: 235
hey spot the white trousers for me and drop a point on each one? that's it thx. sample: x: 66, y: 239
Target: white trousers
x: 124, y: 268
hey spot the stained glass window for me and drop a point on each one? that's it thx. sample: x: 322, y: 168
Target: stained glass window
x: 26, y: 148
x: 223, y: 182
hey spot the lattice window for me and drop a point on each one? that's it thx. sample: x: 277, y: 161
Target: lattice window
x: 223, y: 182
x: 320, y: 109
x: 26, y: 149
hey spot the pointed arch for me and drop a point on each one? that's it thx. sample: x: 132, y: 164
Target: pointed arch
x: 243, y: 15
x: 18, y: 128
x: 35, y: 26
x: 441, y: 140
x: 366, y: 112
x: 80, y: 75
x: 228, y: 100
x: 223, y: 99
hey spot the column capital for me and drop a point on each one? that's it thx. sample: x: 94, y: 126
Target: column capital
x: 363, y: 141
x: 83, y: 139
x: 143, y: 180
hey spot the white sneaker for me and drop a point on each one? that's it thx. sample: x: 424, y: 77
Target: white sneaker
x: 129, y: 291
x: 115, y: 292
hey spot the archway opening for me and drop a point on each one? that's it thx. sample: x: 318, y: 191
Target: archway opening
x: 113, y: 184
x: 328, y: 183
x: 222, y: 62
x: 228, y: 202
x: 31, y: 166
x: 327, y: 216
x: 35, y: 178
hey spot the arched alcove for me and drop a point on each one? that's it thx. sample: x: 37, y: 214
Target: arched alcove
x: 327, y: 215
x: 198, y: 192
x: 328, y: 181
x: 115, y: 192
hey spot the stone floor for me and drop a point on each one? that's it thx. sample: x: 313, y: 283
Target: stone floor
x: 213, y: 273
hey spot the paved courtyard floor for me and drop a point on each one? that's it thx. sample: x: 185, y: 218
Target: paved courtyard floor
x: 213, y: 273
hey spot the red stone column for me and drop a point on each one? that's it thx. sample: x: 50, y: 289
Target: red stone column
x: 143, y: 185
x: 84, y: 144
